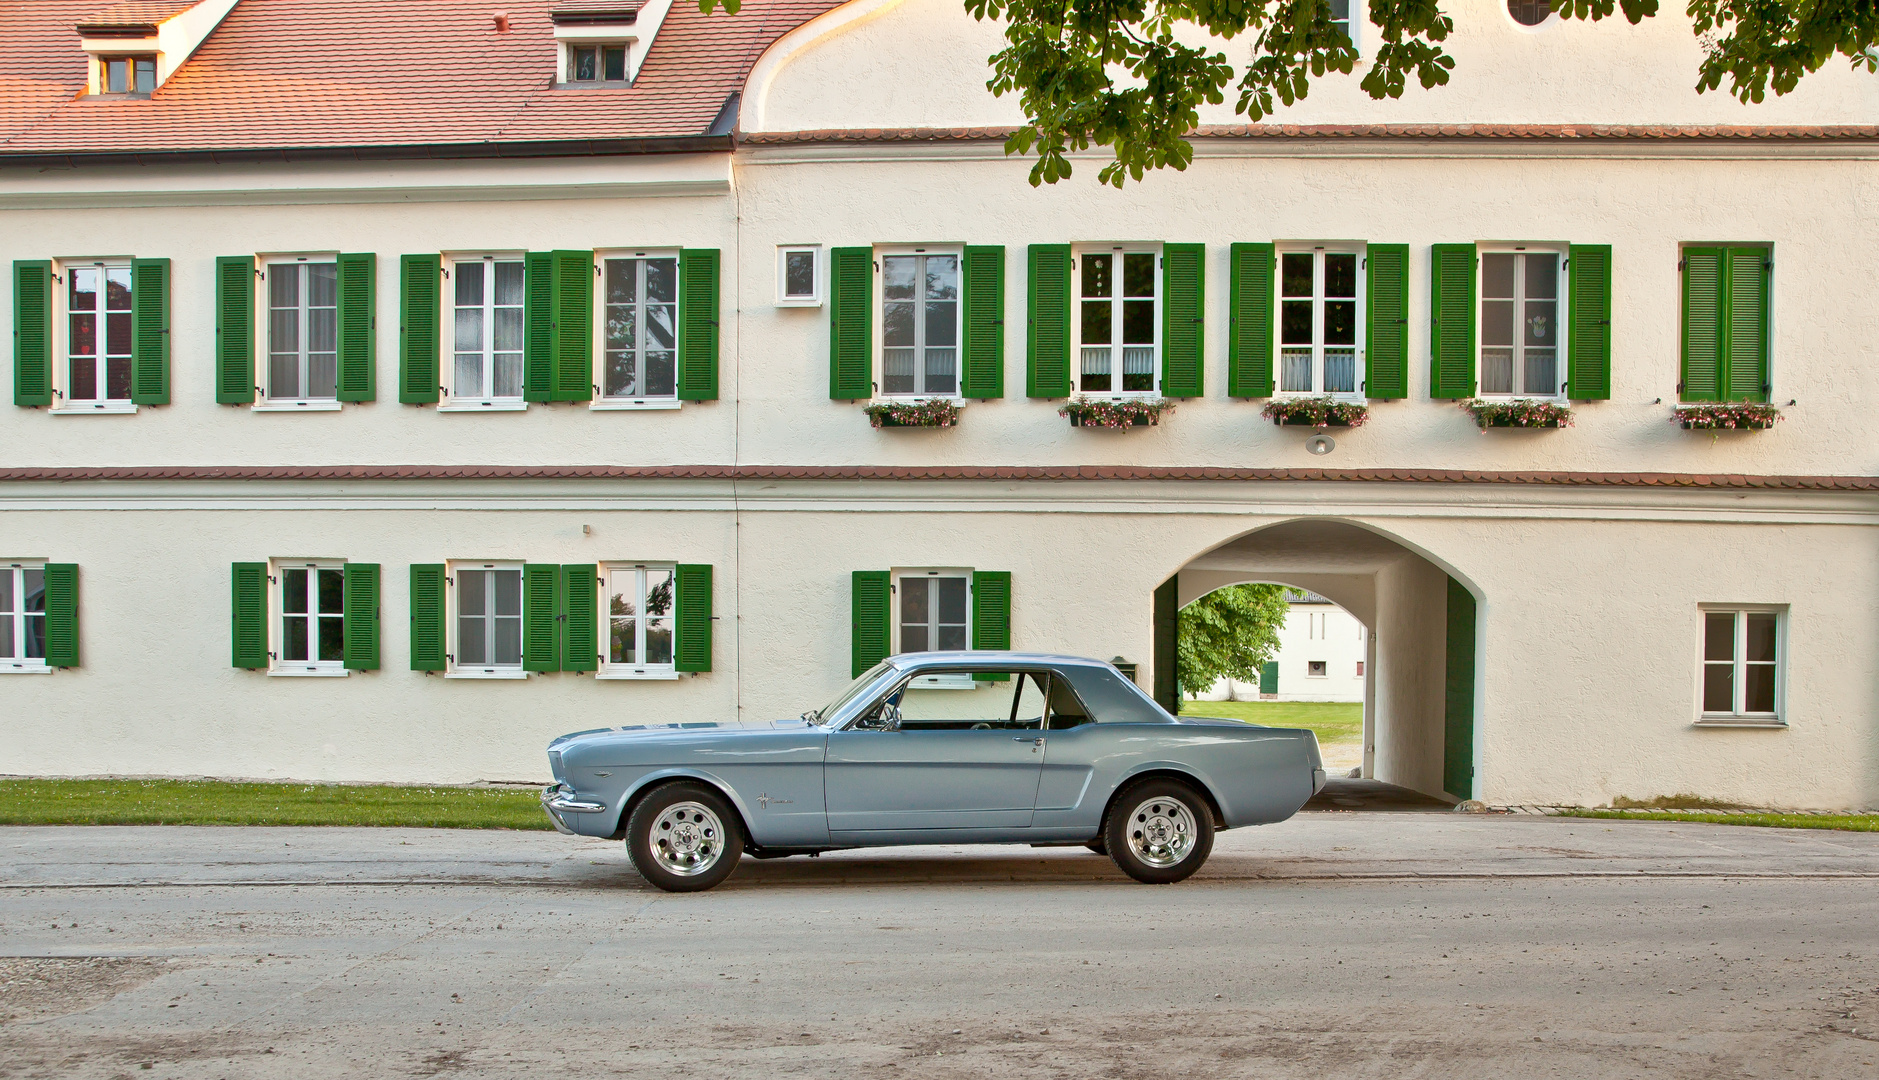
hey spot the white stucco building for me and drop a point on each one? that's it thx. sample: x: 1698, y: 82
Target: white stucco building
x: 395, y: 387
x: 1321, y: 657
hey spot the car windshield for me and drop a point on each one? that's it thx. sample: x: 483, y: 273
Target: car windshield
x: 822, y: 715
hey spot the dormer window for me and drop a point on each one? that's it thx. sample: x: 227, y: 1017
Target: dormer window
x: 597, y: 63
x: 129, y: 74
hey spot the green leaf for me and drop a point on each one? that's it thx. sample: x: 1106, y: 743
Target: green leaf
x: 1228, y: 634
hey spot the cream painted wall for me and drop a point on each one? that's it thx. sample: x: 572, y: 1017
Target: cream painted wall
x: 1588, y: 691
x: 922, y: 63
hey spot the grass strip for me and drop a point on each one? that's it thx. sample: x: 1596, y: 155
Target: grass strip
x: 1334, y: 721
x: 217, y: 802
x: 1843, y: 822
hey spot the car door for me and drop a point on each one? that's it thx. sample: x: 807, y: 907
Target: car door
x: 960, y: 759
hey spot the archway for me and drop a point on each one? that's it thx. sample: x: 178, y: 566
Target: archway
x: 1419, y: 700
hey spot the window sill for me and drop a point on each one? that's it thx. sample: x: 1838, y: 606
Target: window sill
x: 653, y: 675
x: 1740, y: 722
x: 109, y: 408
x: 634, y: 405
x: 12, y: 668
x: 295, y: 406
x: 910, y: 399
x: 487, y: 673
x: 482, y: 406
x: 800, y: 302
x: 310, y: 673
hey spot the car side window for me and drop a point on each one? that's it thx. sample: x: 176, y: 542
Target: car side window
x: 1018, y: 703
x: 1065, y: 710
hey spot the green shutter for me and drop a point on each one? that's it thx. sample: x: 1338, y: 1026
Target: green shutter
x: 32, y: 332
x: 1451, y: 321
x: 234, y: 330
x: 574, y: 326
x: 1747, y: 367
x: 150, y: 331
x: 1047, y: 330
x: 580, y: 633
x: 420, y: 284
x: 538, y: 317
x: 541, y: 617
x: 1183, y: 320
x: 1589, y: 307
x: 1249, y: 326
x: 982, y: 358
x: 62, y: 614
x: 1704, y: 306
x: 361, y: 616
x: 698, y: 324
x: 851, y: 323
x: 358, y: 327
x: 691, y: 617
x: 427, y: 617
x: 991, y: 616
x: 248, y: 626
x: 869, y: 640
x: 1386, y: 321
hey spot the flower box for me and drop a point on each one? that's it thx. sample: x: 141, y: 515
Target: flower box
x: 1517, y: 414
x: 1726, y: 416
x: 930, y: 413
x: 1115, y: 415
x: 1317, y: 412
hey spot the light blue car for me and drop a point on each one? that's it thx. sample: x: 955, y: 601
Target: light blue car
x: 935, y: 748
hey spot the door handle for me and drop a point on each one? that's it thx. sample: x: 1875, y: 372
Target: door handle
x: 1035, y: 743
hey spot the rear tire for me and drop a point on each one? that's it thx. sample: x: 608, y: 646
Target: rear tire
x: 684, y: 837
x: 1159, y: 831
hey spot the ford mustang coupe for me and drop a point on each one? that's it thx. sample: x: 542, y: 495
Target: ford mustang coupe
x: 935, y: 748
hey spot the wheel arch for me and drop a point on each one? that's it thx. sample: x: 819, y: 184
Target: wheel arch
x: 666, y: 778
x: 1164, y: 772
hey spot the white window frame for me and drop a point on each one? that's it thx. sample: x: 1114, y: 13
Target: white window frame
x: 1562, y: 354
x: 16, y: 664
x: 1319, y: 248
x: 600, y: 402
x: 456, y: 670
x: 1356, y: 16
x: 600, y: 61
x: 447, y: 336
x: 879, y: 315
x: 265, y: 399
x: 1324, y: 667
x: 643, y: 672
x: 1077, y: 251
x: 814, y: 297
x: 278, y: 664
x: 1737, y: 717
x: 952, y: 681
x: 61, y: 341
x: 101, y: 76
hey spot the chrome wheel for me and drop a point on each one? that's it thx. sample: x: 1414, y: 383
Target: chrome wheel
x: 1161, y: 832
x: 686, y: 839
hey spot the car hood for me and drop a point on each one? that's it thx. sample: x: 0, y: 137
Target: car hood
x: 693, y: 729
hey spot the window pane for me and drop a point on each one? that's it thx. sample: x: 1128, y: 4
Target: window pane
x: 1295, y: 369
x: 1096, y: 322
x: 469, y: 329
x: 507, y: 648
x: 1340, y: 371
x: 914, y: 614
x: 115, y: 76
x: 323, y: 375
x: 6, y: 640
x: 6, y: 592
x: 284, y: 334
x: 469, y: 284
x: 622, y: 607
x: 508, y: 376
x: 1138, y: 274
x: 323, y: 330
x: 941, y: 377
x: 942, y: 322
x: 294, y: 591
x: 620, y: 641
x: 1095, y: 368
x: 658, y: 593
x: 662, y: 276
x: 508, y: 335
x: 294, y: 637
x: 942, y: 277
x: 1542, y: 322
x: 469, y: 380
x: 509, y: 281
x: 1541, y: 368
x: 322, y: 284
x: 1138, y: 322
x: 508, y: 592
x: 1098, y: 276
x: 283, y: 285
x: 1758, y: 688
x: 1719, y: 635
x: 952, y: 599
x: 1295, y: 322
x: 620, y: 281
x: 1497, y: 371
x: 1295, y: 274
x: 1761, y: 637
x: 1542, y: 276
x: 1340, y: 275
x: 32, y: 590
x: 799, y: 273
x: 658, y: 641
x: 117, y: 376
x: 1138, y: 368
x: 661, y: 325
x: 898, y: 277
x: 332, y: 597
x: 84, y: 290
x: 84, y: 380
x: 472, y: 592
x: 1719, y: 688
x: 332, y: 638
x: 1497, y: 322
x: 146, y: 72
x: 897, y: 324
x: 661, y: 374
x: 1340, y: 322
x: 472, y: 649
x: 117, y: 288
x: 1497, y: 275
x: 614, y: 69
x: 622, y: 373
x: 585, y: 64
x: 117, y: 333
x: 84, y: 339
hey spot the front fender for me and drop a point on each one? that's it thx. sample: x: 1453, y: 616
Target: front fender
x: 615, y: 818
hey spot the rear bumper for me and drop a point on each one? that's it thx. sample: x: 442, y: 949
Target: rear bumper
x: 559, y: 800
x: 1317, y: 781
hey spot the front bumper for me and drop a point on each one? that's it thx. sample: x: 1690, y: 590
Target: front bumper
x: 558, y: 799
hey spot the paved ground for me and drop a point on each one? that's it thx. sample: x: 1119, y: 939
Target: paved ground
x: 1337, y: 944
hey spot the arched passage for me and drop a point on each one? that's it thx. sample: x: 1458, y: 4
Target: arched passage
x: 1420, y: 692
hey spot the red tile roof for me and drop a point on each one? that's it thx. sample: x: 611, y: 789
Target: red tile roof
x: 1045, y: 473
x: 282, y: 75
x: 136, y: 13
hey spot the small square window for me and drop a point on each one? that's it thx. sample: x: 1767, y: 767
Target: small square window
x: 1315, y: 668
x: 23, y: 616
x: 1742, y: 662
x: 1360, y: 669
x: 596, y: 63
x: 934, y: 614
x: 130, y: 75
x: 798, y: 276
x: 310, y: 637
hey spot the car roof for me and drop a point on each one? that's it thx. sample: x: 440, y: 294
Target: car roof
x: 990, y: 659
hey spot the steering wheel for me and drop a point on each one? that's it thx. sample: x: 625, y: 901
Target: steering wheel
x: 981, y: 726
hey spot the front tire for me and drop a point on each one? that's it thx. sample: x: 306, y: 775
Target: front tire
x: 1159, y: 831
x: 684, y: 837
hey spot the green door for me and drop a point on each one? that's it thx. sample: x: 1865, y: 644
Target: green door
x: 1269, y: 677
x: 1458, y: 686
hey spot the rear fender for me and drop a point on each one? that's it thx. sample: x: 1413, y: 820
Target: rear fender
x: 1171, y: 770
